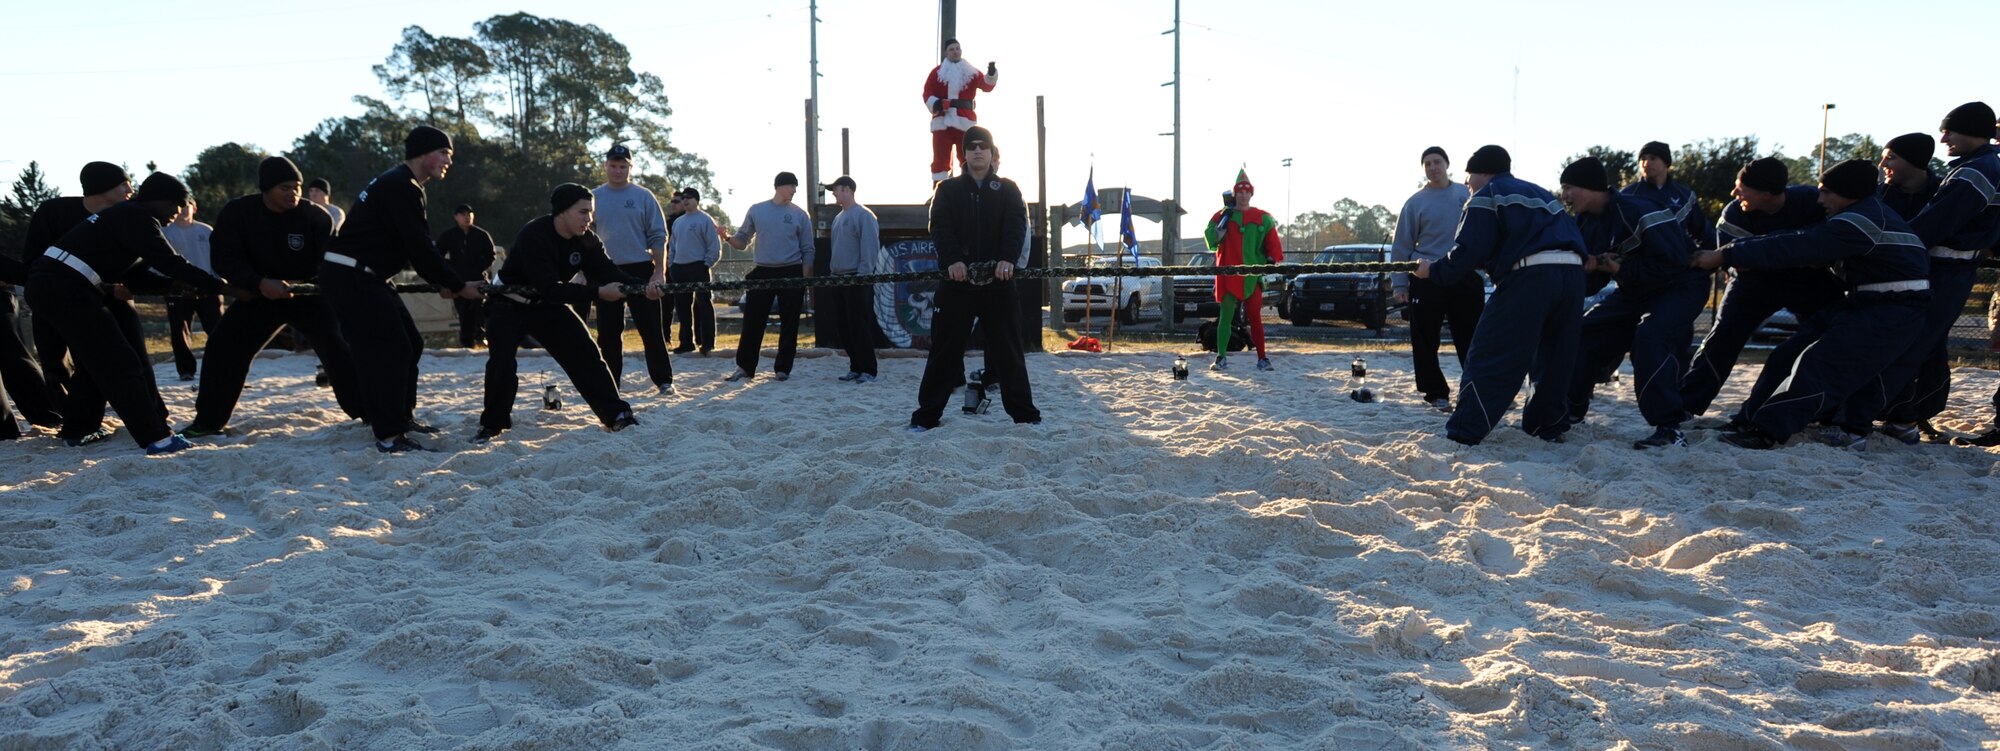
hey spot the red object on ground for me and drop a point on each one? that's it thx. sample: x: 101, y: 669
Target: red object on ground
x: 1087, y: 344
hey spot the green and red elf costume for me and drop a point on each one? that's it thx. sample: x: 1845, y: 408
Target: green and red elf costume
x: 1242, y: 235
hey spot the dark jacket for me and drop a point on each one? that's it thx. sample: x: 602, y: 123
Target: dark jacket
x: 1507, y: 220
x: 1652, y: 244
x: 119, y: 240
x: 387, y: 229
x: 470, y: 252
x: 974, y: 221
x: 1680, y: 200
x: 544, y: 260
x: 1871, y: 244
x: 1909, y: 205
x: 1801, y: 210
x: 1965, y: 213
x: 252, y: 243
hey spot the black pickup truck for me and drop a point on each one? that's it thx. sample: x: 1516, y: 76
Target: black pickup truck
x: 1194, y: 296
x: 1362, y: 296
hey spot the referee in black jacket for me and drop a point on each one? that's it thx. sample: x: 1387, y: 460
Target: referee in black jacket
x: 386, y: 230
x: 977, y: 216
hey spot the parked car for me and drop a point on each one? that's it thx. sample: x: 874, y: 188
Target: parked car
x: 1194, y: 296
x: 1127, y: 294
x: 1363, y: 296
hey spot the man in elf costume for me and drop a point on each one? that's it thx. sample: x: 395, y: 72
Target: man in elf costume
x: 1242, y: 235
x: 948, y: 93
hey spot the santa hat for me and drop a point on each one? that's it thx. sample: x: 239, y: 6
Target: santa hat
x: 1243, y: 183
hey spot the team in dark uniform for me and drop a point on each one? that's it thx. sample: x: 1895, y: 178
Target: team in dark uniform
x: 266, y: 242
x: 104, y: 185
x: 548, y: 253
x: 1650, y: 314
x: 386, y: 231
x: 1764, y: 205
x: 1518, y: 233
x: 65, y: 289
x: 1844, y: 348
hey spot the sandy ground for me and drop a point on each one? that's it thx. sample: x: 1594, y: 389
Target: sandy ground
x: 1241, y: 561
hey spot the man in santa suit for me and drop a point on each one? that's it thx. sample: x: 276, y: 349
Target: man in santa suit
x: 948, y: 92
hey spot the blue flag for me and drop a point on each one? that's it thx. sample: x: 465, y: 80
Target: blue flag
x: 1090, y: 211
x: 1126, y: 236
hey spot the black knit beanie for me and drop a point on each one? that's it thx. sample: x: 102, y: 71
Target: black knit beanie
x: 275, y: 171
x: 98, y: 177
x: 424, y: 139
x: 1970, y: 119
x: 1586, y: 173
x: 1490, y: 160
x: 161, y: 186
x: 1767, y: 175
x: 1438, y: 150
x: 322, y: 184
x: 565, y: 196
x: 1658, y: 149
x: 1855, y: 179
x: 1915, y: 148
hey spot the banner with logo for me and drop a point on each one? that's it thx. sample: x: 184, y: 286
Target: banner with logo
x: 903, y: 309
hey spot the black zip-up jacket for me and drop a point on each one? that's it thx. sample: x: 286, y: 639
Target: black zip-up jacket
x: 387, y: 229
x: 983, y: 220
x: 252, y: 243
x: 544, y: 260
x: 119, y: 240
x: 470, y: 252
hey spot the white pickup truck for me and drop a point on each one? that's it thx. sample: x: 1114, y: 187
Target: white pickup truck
x: 1126, y: 294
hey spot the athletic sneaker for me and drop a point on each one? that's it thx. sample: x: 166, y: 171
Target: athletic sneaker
x: 917, y: 429
x: 419, y: 426
x: 865, y: 378
x: 1264, y: 363
x: 784, y: 376
x: 1986, y: 439
x: 1752, y: 438
x: 487, y: 434
x: 1441, y: 404
x: 101, y: 434
x: 172, y: 445
x: 196, y: 430
x: 1221, y: 363
x: 851, y: 375
x: 1662, y: 437
x: 1838, y: 437
x: 398, y: 445
x: 622, y: 421
x: 739, y: 375
x: 683, y: 349
x: 1908, y: 433
x: 667, y: 389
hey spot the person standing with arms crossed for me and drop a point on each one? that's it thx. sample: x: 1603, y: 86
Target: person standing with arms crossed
x: 635, y: 235
x: 469, y: 249
x: 694, y: 248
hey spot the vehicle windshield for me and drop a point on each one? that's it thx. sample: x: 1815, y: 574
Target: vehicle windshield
x: 1347, y: 256
x: 1098, y: 263
x: 1201, y: 259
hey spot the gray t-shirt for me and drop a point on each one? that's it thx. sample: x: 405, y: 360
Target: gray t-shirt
x: 1427, y: 226
x: 695, y: 240
x: 783, y: 233
x: 857, y: 238
x: 630, y: 222
x: 191, y: 242
x: 338, y: 215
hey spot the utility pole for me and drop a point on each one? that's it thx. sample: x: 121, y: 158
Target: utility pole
x: 1823, y: 110
x: 1288, y: 191
x: 812, y: 115
x: 1170, y: 218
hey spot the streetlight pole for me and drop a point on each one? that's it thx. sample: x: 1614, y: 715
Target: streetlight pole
x: 1823, y: 110
x: 1288, y: 191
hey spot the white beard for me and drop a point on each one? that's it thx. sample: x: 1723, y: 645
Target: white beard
x: 955, y: 76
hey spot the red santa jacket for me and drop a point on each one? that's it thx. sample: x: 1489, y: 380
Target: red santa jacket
x: 955, y: 81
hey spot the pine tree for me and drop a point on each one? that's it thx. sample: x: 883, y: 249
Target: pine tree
x: 30, y: 190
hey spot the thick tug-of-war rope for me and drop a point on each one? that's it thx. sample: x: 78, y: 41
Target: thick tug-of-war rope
x: 976, y: 273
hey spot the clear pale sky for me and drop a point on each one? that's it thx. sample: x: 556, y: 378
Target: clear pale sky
x: 1352, y: 91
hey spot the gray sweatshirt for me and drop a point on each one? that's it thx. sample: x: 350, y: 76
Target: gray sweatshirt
x: 695, y: 240
x: 857, y: 239
x: 191, y: 242
x: 630, y: 222
x: 783, y: 234
x: 1427, y: 225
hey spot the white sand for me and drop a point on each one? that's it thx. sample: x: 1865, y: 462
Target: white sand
x: 1242, y: 561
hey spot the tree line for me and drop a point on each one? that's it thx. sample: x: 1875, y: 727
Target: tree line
x: 529, y: 102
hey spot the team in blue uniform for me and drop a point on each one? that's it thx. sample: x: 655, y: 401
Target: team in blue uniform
x: 1518, y: 233
x: 1763, y: 205
x: 1650, y: 314
x: 1845, y: 348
